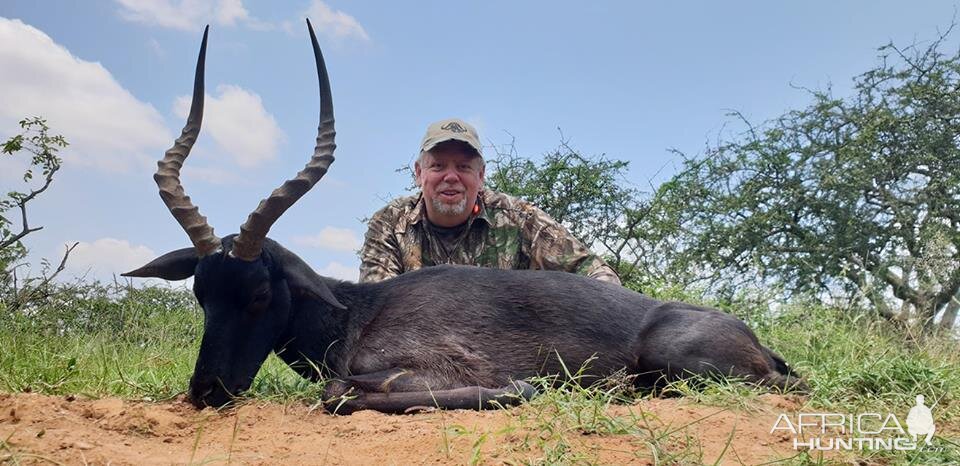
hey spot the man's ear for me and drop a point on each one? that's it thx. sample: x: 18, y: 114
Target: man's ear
x: 174, y: 265
x: 416, y: 173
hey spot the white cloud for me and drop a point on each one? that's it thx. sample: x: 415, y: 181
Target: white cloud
x: 106, y: 257
x: 230, y: 11
x: 238, y: 122
x: 340, y: 271
x: 337, y: 239
x: 191, y: 15
x: 333, y: 23
x: 155, y: 46
x: 160, y: 12
x: 185, y: 14
x: 106, y: 126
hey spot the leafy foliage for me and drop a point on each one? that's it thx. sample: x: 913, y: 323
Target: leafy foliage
x: 590, y: 196
x: 585, y: 193
x: 35, y: 139
x: 853, y: 199
x: 856, y: 198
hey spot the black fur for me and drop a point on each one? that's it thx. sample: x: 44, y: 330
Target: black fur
x: 451, y: 336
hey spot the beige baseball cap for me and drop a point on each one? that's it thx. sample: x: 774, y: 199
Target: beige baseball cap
x: 451, y: 129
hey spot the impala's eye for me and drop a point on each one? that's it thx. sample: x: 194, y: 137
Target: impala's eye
x: 260, y: 298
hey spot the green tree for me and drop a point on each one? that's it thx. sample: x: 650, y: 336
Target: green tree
x: 34, y: 139
x: 855, y: 198
x: 586, y: 194
x: 636, y: 234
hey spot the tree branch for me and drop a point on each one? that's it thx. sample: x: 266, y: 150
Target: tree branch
x: 22, y: 204
x: 950, y: 313
x: 33, y: 292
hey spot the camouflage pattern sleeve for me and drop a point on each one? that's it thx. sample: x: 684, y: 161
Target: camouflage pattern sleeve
x: 553, y: 247
x: 380, y: 257
x: 601, y: 271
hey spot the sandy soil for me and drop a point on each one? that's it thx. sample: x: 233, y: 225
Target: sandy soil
x: 39, y: 429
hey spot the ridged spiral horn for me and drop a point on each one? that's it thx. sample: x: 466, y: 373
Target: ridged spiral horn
x: 248, y: 244
x: 168, y: 170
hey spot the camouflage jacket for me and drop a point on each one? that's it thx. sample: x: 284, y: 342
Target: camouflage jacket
x: 507, y: 233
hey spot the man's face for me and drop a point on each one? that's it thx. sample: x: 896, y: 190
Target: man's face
x: 450, y: 176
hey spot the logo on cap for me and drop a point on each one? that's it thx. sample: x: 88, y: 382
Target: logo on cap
x: 454, y: 127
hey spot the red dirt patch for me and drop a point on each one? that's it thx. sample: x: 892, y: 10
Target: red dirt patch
x: 35, y: 428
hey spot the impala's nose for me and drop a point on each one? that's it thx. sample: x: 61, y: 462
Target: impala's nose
x: 211, y: 392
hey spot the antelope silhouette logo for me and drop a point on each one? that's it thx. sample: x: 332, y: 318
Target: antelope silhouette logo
x: 920, y: 421
x: 454, y: 127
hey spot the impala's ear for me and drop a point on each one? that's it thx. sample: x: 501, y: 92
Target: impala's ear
x: 174, y: 265
x: 306, y: 280
x: 302, y: 278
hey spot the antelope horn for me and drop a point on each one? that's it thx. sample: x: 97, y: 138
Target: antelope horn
x: 248, y: 244
x: 168, y: 170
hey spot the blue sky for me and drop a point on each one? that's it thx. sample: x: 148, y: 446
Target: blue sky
x: 626, y: 79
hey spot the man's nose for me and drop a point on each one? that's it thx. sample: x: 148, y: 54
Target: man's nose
x: 451, y: 176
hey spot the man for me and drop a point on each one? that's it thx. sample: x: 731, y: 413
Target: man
x: 454, y: 221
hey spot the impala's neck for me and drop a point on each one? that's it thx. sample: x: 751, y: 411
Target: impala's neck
x: 316, y: 343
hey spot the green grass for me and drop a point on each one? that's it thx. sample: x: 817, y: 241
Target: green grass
x: 140, y: 345
x: 857, y: 363
x: 854, y: 362
x: 102, y: 341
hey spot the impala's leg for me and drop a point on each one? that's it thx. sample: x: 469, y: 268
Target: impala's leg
x: 397, y: 390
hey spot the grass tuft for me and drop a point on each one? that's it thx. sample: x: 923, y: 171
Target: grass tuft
x: 99, y: 341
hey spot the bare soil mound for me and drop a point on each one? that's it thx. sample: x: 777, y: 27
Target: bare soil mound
x: 38, y: 429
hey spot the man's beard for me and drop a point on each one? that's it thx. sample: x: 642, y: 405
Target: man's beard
x: 456, y: 208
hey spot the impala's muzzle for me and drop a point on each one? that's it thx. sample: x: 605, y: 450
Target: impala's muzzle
x: 211, y: 391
